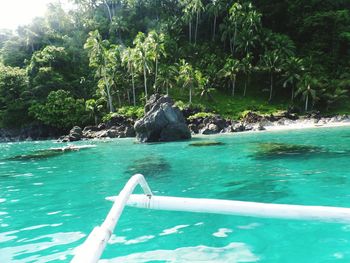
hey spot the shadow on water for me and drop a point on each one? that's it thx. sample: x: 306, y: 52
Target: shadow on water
x: 258, y: 191
x: 154, y: 166
x: 271, y: 150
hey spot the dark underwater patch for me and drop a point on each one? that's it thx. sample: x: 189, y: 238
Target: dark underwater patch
x: 206, y: 143
x: 149, y: 166
x: 257, y: 191
x: 272, y: 150
x: 47, y: 153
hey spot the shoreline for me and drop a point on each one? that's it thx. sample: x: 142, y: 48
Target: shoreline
x: 286, y: 127
x: 289, y: 125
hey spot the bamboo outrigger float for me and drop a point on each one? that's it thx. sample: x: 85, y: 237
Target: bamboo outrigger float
x: 91, y: 250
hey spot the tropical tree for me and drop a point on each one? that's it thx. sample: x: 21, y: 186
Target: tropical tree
x: 192, y: 8
x: 94, y: 107
x: 203, y: 85
x: 307, y: 89
x: 227, y: 31
x: 142, y: 58
x: 98, y: 55
x: 293, y: 68
x: 230, y: 71
x: 246, y: 68
x: 167, y: 76
x: 187, y: 77
x: 156, y: 47
x: 334, y: 94
x: 236, y: 17
x: 214, y: 8
x: 128, y: 58
x: 271, y: 62
x: 60, y: 110
x: 197, y: 7
x: 119, y: 25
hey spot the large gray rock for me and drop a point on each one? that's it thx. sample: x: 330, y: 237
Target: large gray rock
x: 162, y: 122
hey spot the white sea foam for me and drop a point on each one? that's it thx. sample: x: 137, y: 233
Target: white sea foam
x: 172, y: 230
x: 249, y: 226
x: 233, y: 253
x: 222, y: 232
x: 122, y: 240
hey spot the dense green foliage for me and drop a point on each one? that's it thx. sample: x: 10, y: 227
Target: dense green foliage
x: 228, y: 56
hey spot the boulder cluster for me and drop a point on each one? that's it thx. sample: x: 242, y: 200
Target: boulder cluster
x: 163, y: 122
x: 117, y: 127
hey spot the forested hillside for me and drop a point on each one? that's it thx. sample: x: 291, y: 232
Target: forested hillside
x: 76, y: 67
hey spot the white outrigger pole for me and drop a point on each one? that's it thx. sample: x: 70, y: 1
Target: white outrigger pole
x: 91, y: 250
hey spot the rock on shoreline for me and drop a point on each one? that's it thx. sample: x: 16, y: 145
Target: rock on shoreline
x: 162, y: 122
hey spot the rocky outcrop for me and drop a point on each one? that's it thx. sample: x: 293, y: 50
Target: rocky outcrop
x: 117, y: 127
x: 162, y: 121
x: 34, y: 131
x: 75, y: 134
x: 209, y: 125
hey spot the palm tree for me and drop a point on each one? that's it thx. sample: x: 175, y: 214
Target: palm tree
x: 306, y: 88
x: 230, y: 71
x: 214, y: 8
x: 157, y: 47
x: 202, y: 82
x: 236, y: 16
x: 119, y: 24
x: 167, y: 76
x: 246, y: 68
x: 293, y: 68
x: 142, y: 57
x: 94, y: 108
x: 197, y: 7
x: 249, y: 22
x: 98, y: 55
x: 187, y: 77
x: 128, y: 58
x: 271, y: 62
x: 188, y: 16
x: 226, y: 33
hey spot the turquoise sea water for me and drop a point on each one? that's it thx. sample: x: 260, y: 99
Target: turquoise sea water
x: 49, y: 205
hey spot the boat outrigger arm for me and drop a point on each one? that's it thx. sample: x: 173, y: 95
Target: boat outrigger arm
x: 91, y: 250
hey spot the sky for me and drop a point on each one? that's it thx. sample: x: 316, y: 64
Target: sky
x: 20, y: 12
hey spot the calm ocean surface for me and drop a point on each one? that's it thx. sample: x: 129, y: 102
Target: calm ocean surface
x: 49, y: 205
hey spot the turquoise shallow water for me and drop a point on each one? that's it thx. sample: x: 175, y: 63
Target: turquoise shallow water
x: 48, y: 206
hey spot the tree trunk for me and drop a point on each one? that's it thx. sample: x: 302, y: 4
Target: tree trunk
x: 190, y: 95
x: 96, y: 120
x: 145, y: 80
x: 190, y: 31
x: 306, y: 102
x: 245, y: 86
x: 233, y: 86
x: 195, y: 35
x: 128, y: 94
x: 234, y: 40
x: 214, y: 28
x: 167, y: 90
x: 292, y: 93
x: 109, y: 10
x: 271, y: 86
x: 119, y: 100
x: 155, y: 78
x: 133, y: 88
x: 110, y: 104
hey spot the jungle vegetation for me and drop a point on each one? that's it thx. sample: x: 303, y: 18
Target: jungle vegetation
x: 108, y: 56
